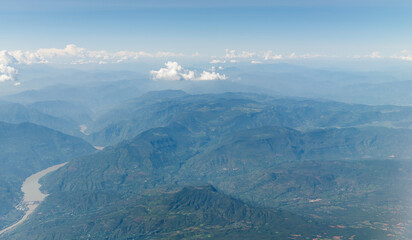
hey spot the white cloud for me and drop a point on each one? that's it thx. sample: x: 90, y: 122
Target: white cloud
x: 7, y: 71
x: 255, y: 62
x: 70, y: 54
x: 214, y: 61
x: 310, y: 55
x: 205, y: 76
x: 6, y: 58
x: 234, y: 57
x: 27, y: 57
x: 269, y: 56
x: 70, y: 50
x: 405, y: 56
x: 373, y: 55
x: 163, y: 54
x: 231, y: 54
x: 306, y: 56
x: 172, y: 72
x: 175, y: 72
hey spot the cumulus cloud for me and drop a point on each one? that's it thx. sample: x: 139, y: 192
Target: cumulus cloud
x: 269, y: 56
x: 69, y: 51
x: 405, y: 55
x: 70, y: 54
x: 172, y: 72
x: 231, y: 54
x: 205, y: 76
x: 175, y: 72
x: 7, y: 71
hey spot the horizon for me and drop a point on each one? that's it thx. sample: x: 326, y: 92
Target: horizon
x: 346, y: 35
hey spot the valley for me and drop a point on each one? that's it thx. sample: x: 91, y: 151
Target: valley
x: 32, y: 197
x: 206, y: 120
x: 326, y: 163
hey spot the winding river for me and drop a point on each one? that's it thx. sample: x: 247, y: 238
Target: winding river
x: 32, y: 194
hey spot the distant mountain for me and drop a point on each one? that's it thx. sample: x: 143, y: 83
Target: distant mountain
x: 191, y: 213
x: 96, y: 96
x: 123, y: 109
x: 64, y: 110
x: 363, y: 87
x: 28, y: 148
x: 17, y: 113
x: 216, y: 114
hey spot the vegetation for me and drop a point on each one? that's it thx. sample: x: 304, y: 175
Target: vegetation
x: 191, y: 213
x: 26, y: 149
x: 299, y: 168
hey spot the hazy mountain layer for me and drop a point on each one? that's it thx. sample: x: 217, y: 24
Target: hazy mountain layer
x: 17, y: 113
x: 221, y: 113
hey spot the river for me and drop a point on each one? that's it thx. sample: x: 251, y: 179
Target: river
x: 32, y: 194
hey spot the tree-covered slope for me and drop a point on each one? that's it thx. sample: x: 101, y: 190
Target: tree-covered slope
x: 263, y: 147
x: 28, y: 148
x: 190, y: 213
x: 324, y: 160
x: 271, y: 166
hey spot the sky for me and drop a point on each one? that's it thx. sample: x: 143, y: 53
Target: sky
x: 209, y: 27
x: 102, y: 31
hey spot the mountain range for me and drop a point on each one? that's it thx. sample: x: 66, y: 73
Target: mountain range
x: 261, y: 166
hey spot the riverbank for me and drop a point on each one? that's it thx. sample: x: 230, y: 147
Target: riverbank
x: 32, y: 194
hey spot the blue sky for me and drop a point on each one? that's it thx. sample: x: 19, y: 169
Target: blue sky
x: 214, y: 34
x: 335, y: 28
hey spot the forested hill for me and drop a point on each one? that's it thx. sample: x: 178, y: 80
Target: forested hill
x: 347, y: 166
x: 25, y: 149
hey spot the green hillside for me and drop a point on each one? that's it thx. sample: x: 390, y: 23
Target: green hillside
x: 327, y: 162
x: 190, y: 213
x: 272, y: 167
x: 28, y: 148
